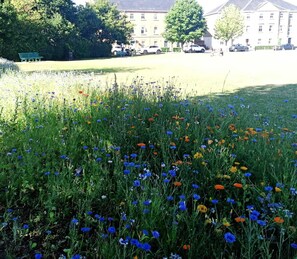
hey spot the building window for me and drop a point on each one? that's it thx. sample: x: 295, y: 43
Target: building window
x: 165, y: 43
x: 248, y: 17
x: 269, y: 41
x: 143, y: 43
x: 260, y: 28
x: 270, y: 27
x: 261, y: 16
x: 155, y: 30
x: 271, y: 16
x: 143, y: 30
x: 155, y: 16
x: 155, y: 42
x: 131, y: 16
x: 259, y: 41
x: 142, y: 16
x: 281, y: 15
x: 291, y: 16
x: 281, y: 28
x: 247, y: 28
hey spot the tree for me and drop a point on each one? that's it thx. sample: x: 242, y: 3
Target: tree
x: 229, y: 25
x: 184, y: 22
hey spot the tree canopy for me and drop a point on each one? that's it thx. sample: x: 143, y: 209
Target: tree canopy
x: 184, y: 22
x: 56, y: 27
x: 229, y: 25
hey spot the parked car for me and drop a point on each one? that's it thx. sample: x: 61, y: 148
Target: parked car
x: 115, y: 49
x: 287, y: 46
x: 238, y: 47
x: 191, y: 48
x: 154, y: 49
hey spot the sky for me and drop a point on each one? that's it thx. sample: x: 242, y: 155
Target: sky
x: 207, y: 5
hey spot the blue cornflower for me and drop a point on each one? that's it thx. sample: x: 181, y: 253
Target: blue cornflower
x: 229, y: 200
x: 155, y: 234
x: 195, y: 186
x: 127, y: 171
x: 98, y: 159
x: 172, y: 173
x: 38, y: 256
x: 166, y: 180
x: 294, y: 245
x: 170, y: 198
x: 168, y: 132
x: 146, y: 211
x: 147, y: 202
x: 76, y: 256
x: 229, y: 237
x: 214, y: 201
x: 85, y: 229
x: 74, y: 221
x: 182, y: 197
x: 182, y: 206
x: 145, y: 232
x: 111, y: 230
x: 133, y: 155
x: 146, y: 247
x: 262, y: 223
x: 123, y: 242
x: 25, y: 226
x: 136, y: 183
x: 196, y: 197
x: 134, y: 242
x: 247, y: 174
x: 268, y: 188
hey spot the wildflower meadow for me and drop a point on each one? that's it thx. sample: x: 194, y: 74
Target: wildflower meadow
x: 96, y: 170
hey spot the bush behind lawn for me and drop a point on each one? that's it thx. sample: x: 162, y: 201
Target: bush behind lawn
x: 140, y: 171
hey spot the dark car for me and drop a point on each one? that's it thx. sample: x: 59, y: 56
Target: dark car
x: 287, y: 46
x: 238, y: 47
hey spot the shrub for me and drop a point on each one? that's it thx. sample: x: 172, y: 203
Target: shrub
x: 6, y: 65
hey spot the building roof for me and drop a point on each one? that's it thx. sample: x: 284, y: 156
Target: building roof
x: 254, y: 5
x: 144, y: 5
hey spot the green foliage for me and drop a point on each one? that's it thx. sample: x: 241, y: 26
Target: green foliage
x: 6, y: 65
x: 229, y: 25
x: 184, y: 22
x: 56, y: 27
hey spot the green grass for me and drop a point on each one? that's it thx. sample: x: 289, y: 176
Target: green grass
x: 104, y: 170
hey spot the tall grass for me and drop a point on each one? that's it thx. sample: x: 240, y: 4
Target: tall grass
x: 95, y: 170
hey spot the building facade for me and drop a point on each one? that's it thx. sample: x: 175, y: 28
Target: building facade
x: 267, y: 22
x: 148, y: 18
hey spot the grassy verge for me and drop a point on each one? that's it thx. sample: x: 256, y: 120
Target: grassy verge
x: 90, y: 170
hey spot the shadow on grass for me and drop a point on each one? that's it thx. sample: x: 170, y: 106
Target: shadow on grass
x: 97, y: 71
x: 265, y: 91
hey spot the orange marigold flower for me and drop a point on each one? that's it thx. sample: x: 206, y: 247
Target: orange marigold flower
x: 219, y: 187
x: 187, y: 139
x: 233, y: 169
x: 177, y: 184
x: 239, y: 219
x: 186, y: 247
x: 278, y: 220
x: 202, y: 208
x: 232, y: 127
x: 237, y: 185
x: 141, y: 144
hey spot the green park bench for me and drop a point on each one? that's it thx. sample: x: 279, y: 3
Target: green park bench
x: 30, y: 56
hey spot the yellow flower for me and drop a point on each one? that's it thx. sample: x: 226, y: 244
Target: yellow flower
x: 277, y: 189
x: 243, y: 168
x: 233, y: 169
x: 198, y: 155
x: 202, y: 208
x: 226, y: 223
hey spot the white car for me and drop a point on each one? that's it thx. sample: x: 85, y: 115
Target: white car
x: 151, y: 50
x: 191, y: 48
x: 115, y: 49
